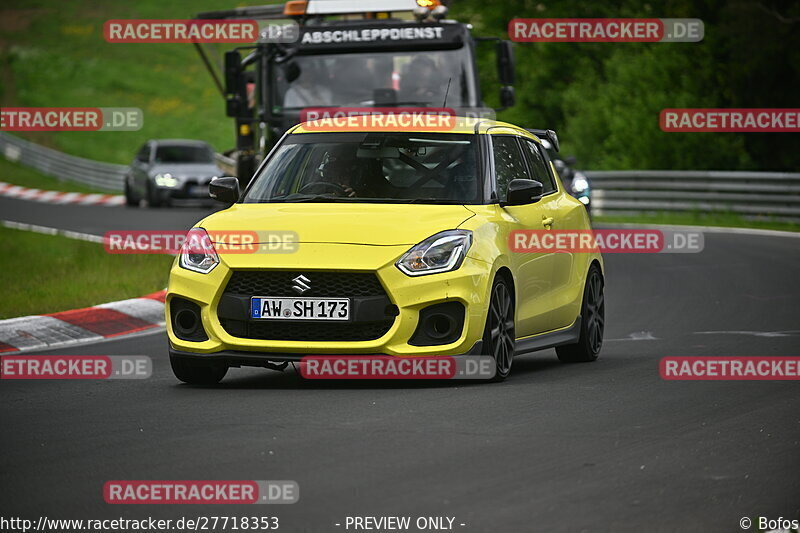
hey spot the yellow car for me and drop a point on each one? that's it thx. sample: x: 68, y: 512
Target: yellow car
x: 387, y: 242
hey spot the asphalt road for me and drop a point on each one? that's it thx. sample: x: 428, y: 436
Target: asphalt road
x: 606, y: 446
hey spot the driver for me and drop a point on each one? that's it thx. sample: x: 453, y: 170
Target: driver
x: 351, y: 175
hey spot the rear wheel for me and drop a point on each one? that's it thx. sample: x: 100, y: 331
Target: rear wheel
x: 592, y: 323
x: 197, y: 372
x: 498, y: 337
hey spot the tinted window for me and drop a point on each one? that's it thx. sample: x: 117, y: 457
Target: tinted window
x: 540, y: 170
x: 396, y: 167
x: 508, y: 163
x: 183, y: 154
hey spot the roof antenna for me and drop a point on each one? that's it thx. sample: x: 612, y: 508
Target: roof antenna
x: 447, y: 91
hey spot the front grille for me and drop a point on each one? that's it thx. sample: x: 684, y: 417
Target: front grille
x: 296, y: 331
x: 323, y: 284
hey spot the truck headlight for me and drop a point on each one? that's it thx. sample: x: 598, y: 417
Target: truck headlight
x: 442, y: 252
x: 198, y: 253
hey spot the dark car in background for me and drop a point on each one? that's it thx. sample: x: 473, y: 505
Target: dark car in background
x: 167, y: 169
x: 575, y: 181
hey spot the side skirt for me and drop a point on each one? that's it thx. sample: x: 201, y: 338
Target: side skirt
x: 549, y: 340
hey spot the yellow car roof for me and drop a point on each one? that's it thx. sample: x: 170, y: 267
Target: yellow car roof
x: 460, y: 125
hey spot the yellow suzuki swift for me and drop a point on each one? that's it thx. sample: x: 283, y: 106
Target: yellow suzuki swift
x: 387, y: 242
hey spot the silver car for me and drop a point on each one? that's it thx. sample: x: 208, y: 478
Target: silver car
x: 170, y: 168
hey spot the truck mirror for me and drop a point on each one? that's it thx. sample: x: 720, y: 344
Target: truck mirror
x: 233, y: 71
x: 292, y: 71
x: 507, y: 96
x: 505, y: 63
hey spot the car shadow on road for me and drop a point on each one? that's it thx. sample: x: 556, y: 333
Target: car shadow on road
x: 526, y: 368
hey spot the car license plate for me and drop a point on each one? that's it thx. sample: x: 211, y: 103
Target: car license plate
x: 300, y: 308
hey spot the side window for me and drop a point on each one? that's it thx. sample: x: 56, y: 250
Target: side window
x: 508, y: 163
x: 144, y: 154
x: 540, y: 170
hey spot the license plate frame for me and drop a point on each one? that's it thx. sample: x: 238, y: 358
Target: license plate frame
x: 288, y: 303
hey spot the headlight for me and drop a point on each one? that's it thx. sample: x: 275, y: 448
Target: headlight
x: 442, y: 252
x: 166, y: 180
x: 198, y: 253
x: 580, y: 183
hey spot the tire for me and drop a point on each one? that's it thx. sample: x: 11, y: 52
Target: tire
x: 152, y: 196
x: 197, y: 372
x: 590, y: 342
x: 130, y: 199
x: 498, y: 336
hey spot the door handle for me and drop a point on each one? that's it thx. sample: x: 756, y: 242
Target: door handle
x: 547, y: 222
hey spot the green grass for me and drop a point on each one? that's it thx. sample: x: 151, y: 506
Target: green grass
x: 53, y: 54
x: 730, y: 220
x: 54, y: 273
x: 19, y: 175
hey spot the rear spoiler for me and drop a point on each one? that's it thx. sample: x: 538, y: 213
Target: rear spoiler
x: 550, y: 135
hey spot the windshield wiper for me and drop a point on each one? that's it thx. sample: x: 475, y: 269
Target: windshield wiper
x: 434, y: 201
x: 307, y: 198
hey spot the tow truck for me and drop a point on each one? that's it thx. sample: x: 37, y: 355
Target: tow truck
x: 348, y: 53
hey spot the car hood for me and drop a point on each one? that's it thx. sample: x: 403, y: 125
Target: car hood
x: 180, y: 170
x: 342, y: 223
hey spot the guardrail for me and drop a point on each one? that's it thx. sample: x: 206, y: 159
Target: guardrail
x: 750, y: 194
x: 94, y: 174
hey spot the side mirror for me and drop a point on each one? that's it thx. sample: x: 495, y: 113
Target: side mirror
x: 505, y: 63
x: 291, y: 70
x: 224, y: 189
x: 571, y: 160
x: 523, y: 192
x: 507, y: 96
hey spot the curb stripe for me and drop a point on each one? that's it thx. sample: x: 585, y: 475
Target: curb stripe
x: 59, y: 197
x: 103, y: 321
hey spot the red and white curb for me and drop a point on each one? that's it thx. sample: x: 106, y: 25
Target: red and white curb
x: 44, y: 332
x: 58, y: 197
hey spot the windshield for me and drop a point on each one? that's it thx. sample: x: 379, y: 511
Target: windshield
x: 184, y: 154
x: 385, y: 78
x: 370, y: 167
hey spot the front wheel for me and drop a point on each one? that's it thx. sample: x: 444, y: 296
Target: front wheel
x: 592, y: 323
x: 130, y: 199
x: 499, y: 337
x: 197, y: 372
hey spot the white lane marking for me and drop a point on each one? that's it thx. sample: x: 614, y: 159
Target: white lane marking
x: 46, y: 230
x: 706, y: 229
x: 637, y: 336
x: 787, y: 333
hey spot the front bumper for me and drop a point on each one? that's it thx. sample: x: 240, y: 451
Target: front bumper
x: 469, y: 285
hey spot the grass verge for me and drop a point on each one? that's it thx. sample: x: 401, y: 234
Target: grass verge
x: 17, y: 174
x: 729, y: 220
x: 54, y: 273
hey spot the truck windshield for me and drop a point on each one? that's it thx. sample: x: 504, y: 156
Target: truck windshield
x: 378, y: 79
x: 370, y: 167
